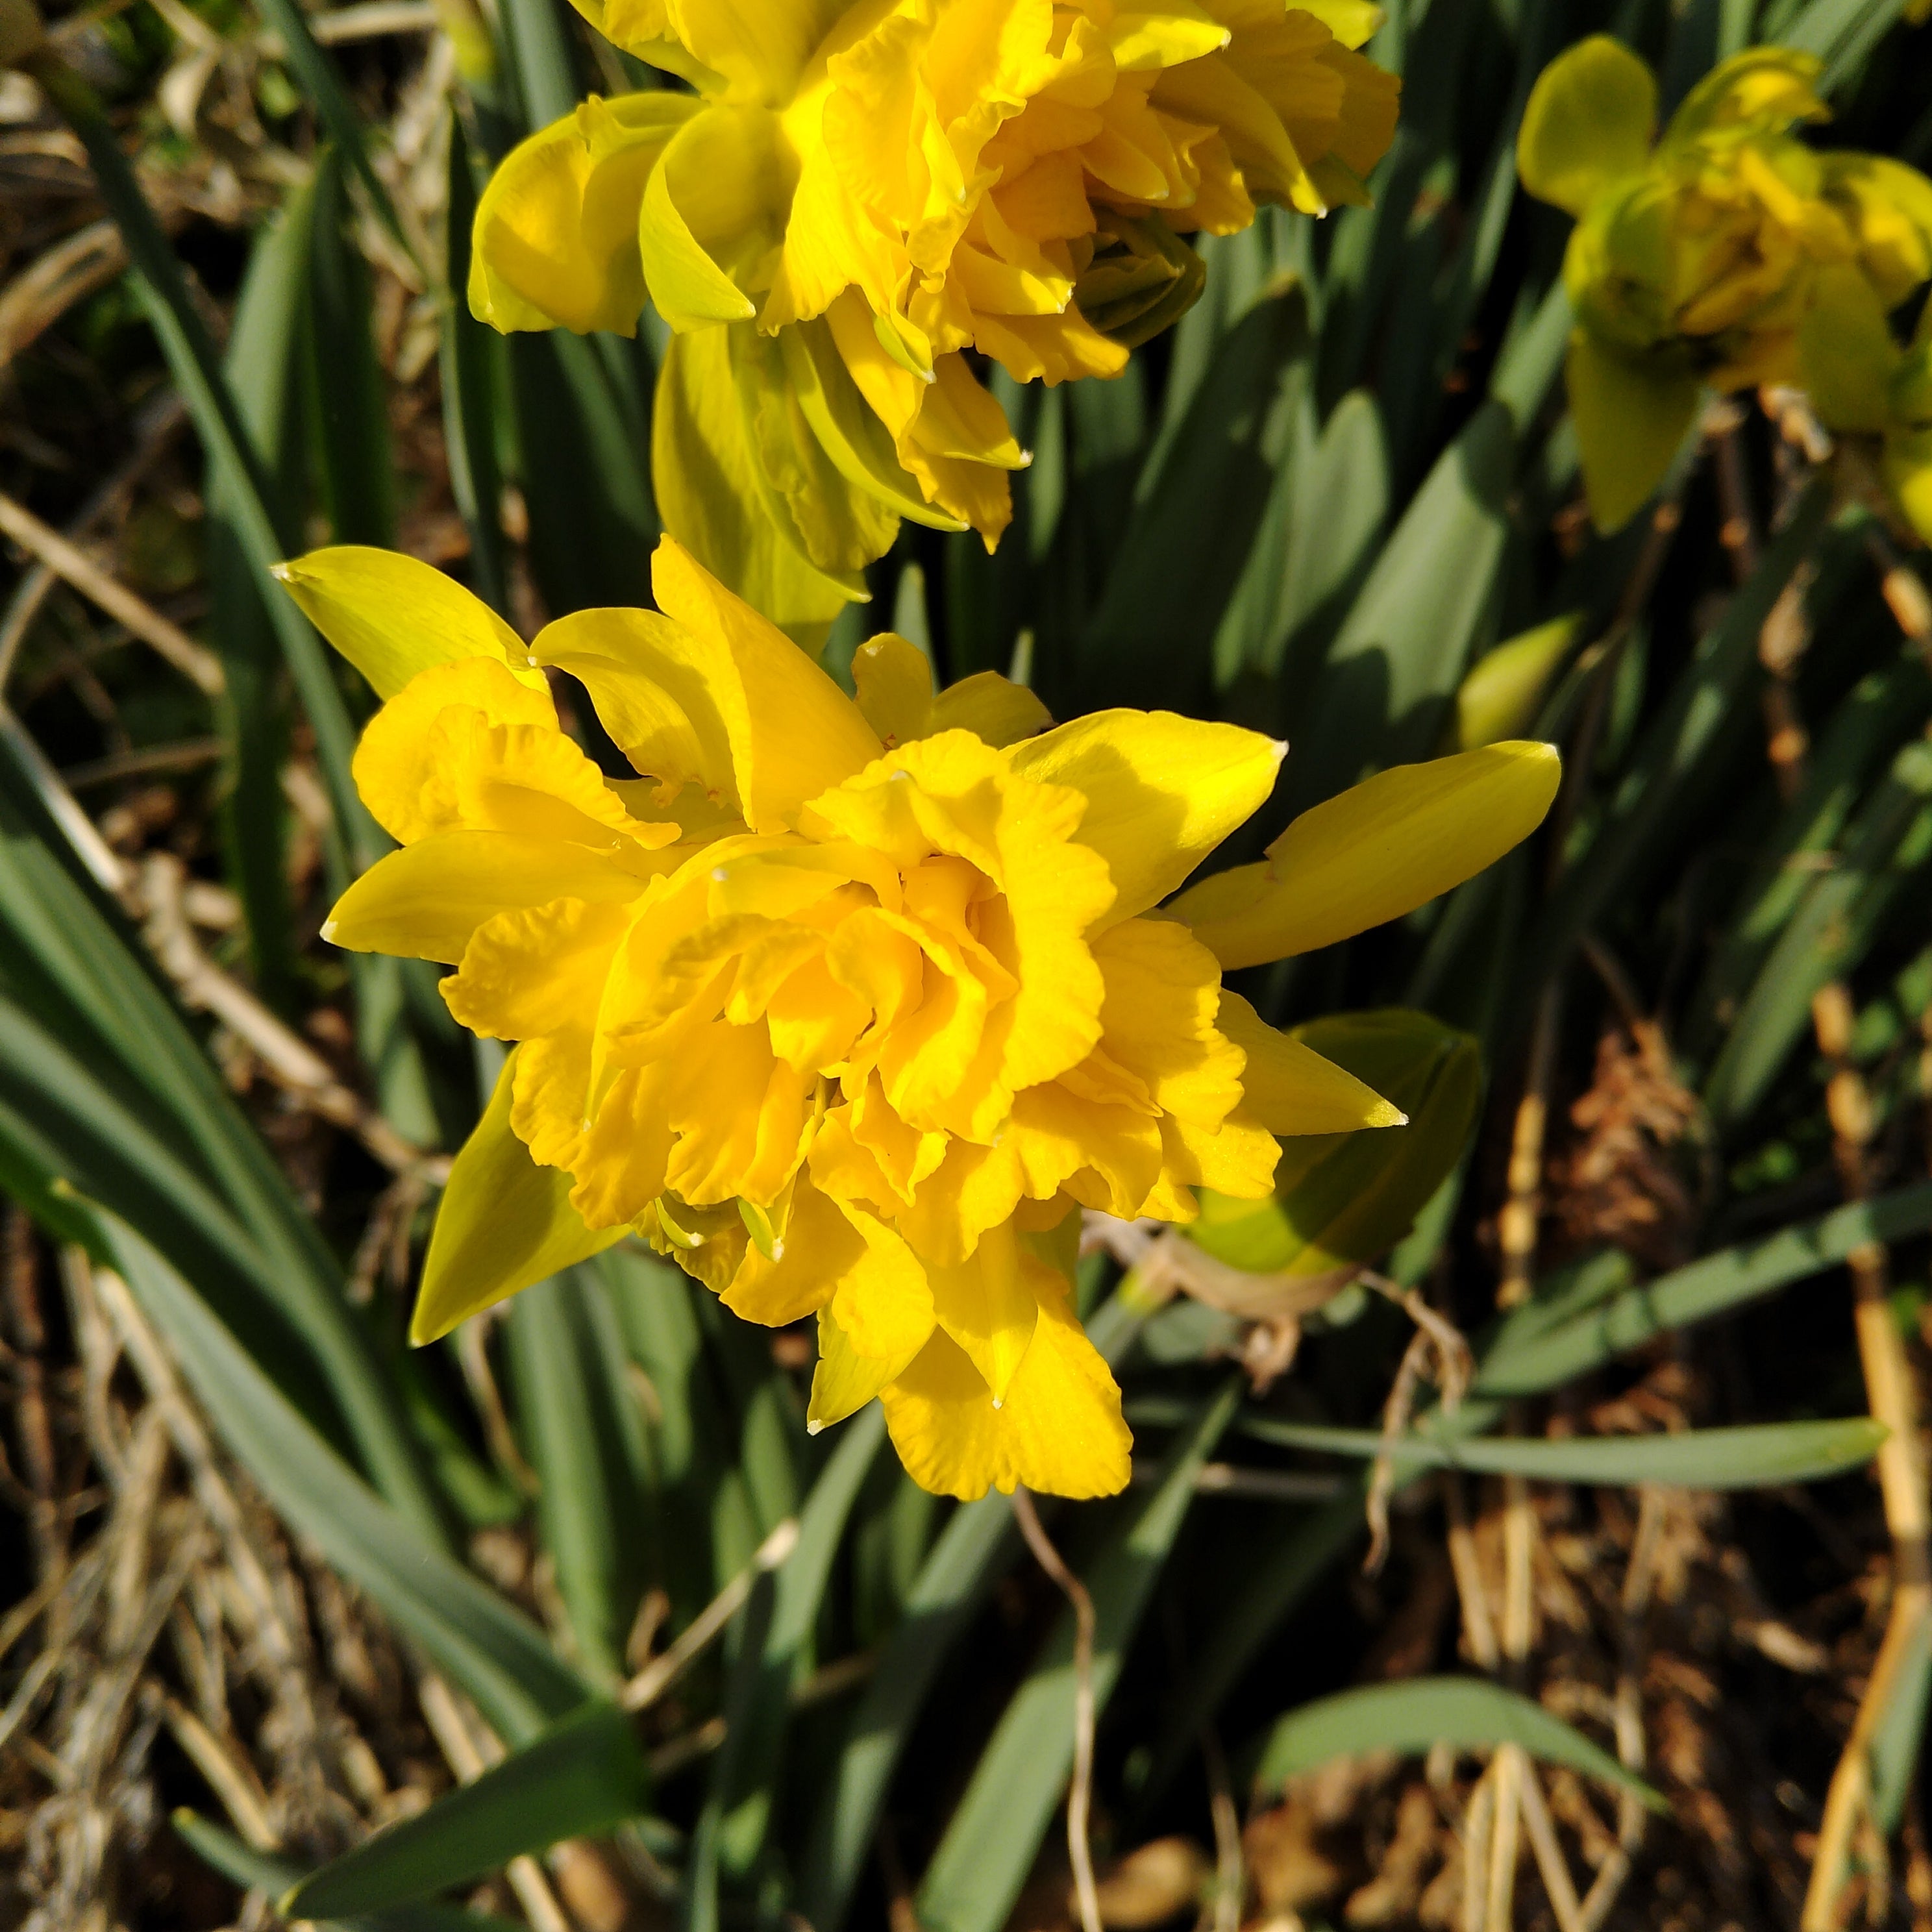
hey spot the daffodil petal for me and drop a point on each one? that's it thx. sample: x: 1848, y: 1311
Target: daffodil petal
x: 803, y: 734
x: 1631, y: 419
x: 987, y: 1305
x: 1162, y: 791
x: 845, y: 1380
x: 1846, y: 352
x: 426, y: 901
x: 392, y: 615
x: 1378, y: 850
x: 996, y: 711
x: 1590, y: 121
x: 1059, y: 1431
x: 1290, y: 1089
x: 894, y: 680
x: 504, y: 1224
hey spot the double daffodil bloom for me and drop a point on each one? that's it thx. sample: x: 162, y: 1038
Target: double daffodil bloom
x: 1694, y: 262
x: 1864, y: 384
x: 857, y: 195
x: 850, y: 1007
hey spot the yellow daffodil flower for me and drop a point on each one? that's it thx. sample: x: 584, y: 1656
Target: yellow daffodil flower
x: 856, y: 195
x: 1865, y: 386
x: 850, y: 1006
x: 1693, y: 261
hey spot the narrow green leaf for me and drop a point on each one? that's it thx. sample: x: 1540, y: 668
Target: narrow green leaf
x: 584, y: 1437
x: 1385, y: 691
x: 347, y: 382
x: 1712, y: 1286
x: 500, y: 1660
x: 1700, y: 1458
x: 197, y: 373
x: 1839, y: 916
x: 997, y: 1829
x: 1896, y: 1745
x: 582, y: 1777
x: 1418, y: 1713
x: 1649, y: 810
x: 470, y: 353
x: 260, y: 1872
x: 978, y: 1542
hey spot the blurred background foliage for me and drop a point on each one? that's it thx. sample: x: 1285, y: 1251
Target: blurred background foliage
x: 572, y: 1602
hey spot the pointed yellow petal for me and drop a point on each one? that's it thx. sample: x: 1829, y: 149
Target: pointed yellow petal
x: 894, y: 683
x: 688, y: 287
x: 504, y: 1224
x: 426, y: 901
x: 1162, y: 791
x: 804, y: 735
x: 1291, y: 1089
x: 1846, y: 353
x: 844, y: 1380
x: 392, y: 615
x: 1590, y: 121
x: 1631, y: 418
x: 1379, y: 850
x: 1059, y: 1430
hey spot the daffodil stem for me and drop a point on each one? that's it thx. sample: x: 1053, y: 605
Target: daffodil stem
x: 1080, y: 1792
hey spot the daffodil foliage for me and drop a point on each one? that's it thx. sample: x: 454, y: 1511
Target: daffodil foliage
x: 852, y: 197
x: 850, y: 1006
x: 1696, y: 262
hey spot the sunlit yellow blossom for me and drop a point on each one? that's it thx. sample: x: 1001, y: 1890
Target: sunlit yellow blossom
x: 857, y: 195
x: 850, y: 1006
x: 1694, y: 262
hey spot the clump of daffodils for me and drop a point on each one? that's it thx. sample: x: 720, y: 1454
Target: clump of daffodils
x: 851, y: 1007
x: 855, y: 197
x: 1696, y: 261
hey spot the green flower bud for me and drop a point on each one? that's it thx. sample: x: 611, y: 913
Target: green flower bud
x: 1143, y: 278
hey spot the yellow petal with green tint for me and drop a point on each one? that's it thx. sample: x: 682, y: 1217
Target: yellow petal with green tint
x: 1846, y: 354
x: 894, y: 680
x: 712, y: 497
x: 845, y: 1380
x: 1380, y: 850
x: 1059, y: 1430
x: 1590, y: 120
x: 555, y: 239
x: 1291, y: 1089
x: 1761, y: 91
x: 1907, y: 466
x: 426, y: 901
x: 1151, y: 37
x: 392, y: 615
x: 689, y: 287
x: 1162, y: 791
x: 1500, y: 698
x: 504, y: 1224
x: 1631, y: 419
x: 996, y: 711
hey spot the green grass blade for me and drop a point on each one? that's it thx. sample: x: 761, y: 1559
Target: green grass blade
x: 315, y: 75
x: 470, y: 353
x: 1839, y: 915
x: 978, y: 1542
x: 260, y: 1872
x: 1751, y: 1457
x: 1389, y: 677
x: 1414, y: 1715
x: 584, y: 1438
x: 581, y: 1778
x: 347, y: 381
x: 197, y: 373
x: 1647, y: 811
x: 490, y: 1650
x: 989, y: 1845
x: 733, y: 1830
x: 1714, y: 1285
